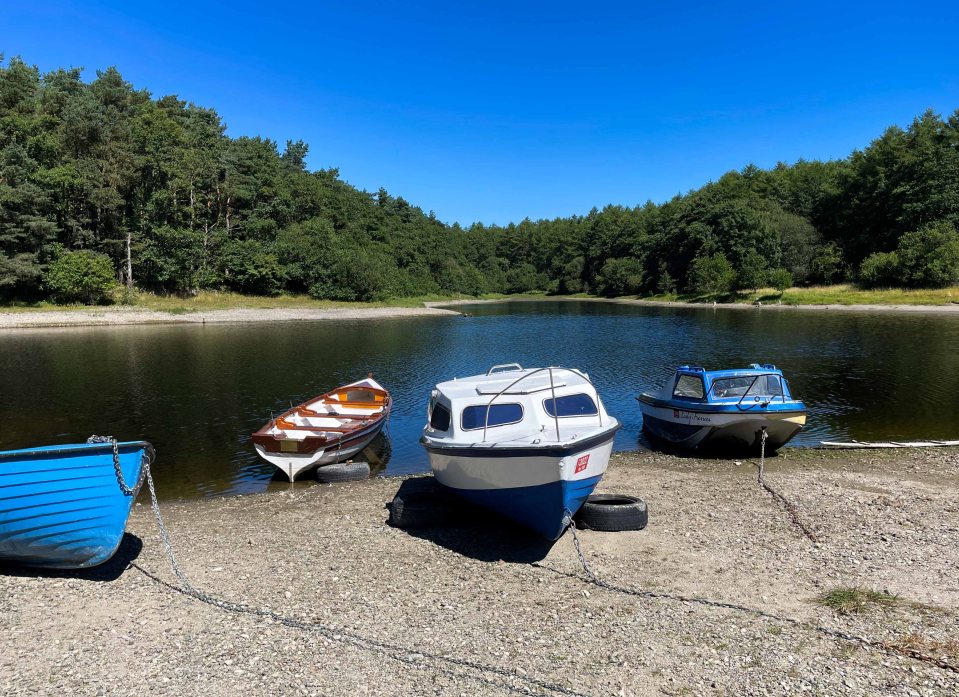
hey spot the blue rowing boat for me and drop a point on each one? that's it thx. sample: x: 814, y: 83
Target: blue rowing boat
x: 66, y: 506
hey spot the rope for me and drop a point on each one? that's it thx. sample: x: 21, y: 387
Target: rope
x: 532, y: 686
x: 884, y: 646
x: 788, y: 505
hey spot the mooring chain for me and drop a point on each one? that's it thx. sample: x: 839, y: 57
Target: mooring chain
x: 401, y: 654
x: 788, y: 505
x: 886, y: 647
x: 127, y: 490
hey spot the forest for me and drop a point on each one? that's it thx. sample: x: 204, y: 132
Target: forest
x: 106, y: 190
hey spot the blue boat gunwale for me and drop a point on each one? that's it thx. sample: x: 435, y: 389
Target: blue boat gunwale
x: 73, y: 448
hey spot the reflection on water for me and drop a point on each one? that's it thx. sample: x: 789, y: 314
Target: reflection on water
x: 198, y: 392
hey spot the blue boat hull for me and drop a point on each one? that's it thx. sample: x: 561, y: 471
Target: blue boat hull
x: 545, y: 508
x: 61, y: 506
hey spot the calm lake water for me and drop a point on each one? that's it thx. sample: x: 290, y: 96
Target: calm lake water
x: 197, y: 392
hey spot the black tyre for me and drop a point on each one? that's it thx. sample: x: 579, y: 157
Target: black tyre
x: 613, y: 513
x: 418, y: 511
x: 343, y: 472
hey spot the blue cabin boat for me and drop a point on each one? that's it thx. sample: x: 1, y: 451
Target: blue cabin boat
x: 723, y: 408
x: 61, y: 506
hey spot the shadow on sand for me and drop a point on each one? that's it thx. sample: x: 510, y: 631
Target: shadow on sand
x: 472, y: 531
x: 129, y: 549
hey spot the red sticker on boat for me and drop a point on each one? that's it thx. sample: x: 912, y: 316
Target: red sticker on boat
x: 581, y: 463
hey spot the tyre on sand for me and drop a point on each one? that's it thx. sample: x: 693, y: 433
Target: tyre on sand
x: 343, y: 472
x: 612, y: 513
x: 418, y: 511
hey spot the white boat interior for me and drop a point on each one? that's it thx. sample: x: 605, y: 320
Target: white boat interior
x: 512, y: 407
x: 331, y: 414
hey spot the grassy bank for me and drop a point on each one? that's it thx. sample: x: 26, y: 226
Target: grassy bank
x: 208, y: 301
x: 844, y: 294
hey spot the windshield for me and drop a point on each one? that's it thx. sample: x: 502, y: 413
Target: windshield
x: 747, y: 385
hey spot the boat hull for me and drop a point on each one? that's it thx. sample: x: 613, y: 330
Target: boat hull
x: 539, y: 490
x: 734, y: 430
x: 295, y: 464
x: 61, y: 506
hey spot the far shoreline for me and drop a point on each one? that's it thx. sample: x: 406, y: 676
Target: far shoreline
x: 840, y: 307
x: 124, y: 315
x: 115, y: 316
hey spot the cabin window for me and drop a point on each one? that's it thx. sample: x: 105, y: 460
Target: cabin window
x: 499, y: 415
x: 689, y: 387
x: 571, y: 405
x: 440, y: 418
x: 766, y: 386
x: 732, y: 387
x: 751, y: 386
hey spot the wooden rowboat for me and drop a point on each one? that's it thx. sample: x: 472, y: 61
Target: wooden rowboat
x: 330, y: 428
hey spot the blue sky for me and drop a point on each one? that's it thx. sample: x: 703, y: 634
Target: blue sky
x: 498, y: 111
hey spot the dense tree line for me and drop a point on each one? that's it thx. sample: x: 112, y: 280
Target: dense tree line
x: 101, y: 184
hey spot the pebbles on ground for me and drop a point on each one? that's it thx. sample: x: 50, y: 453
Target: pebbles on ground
x: 484, y: 609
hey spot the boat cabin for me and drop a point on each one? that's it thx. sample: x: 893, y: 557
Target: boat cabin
x: 756, y: 384
x: 510, y: 403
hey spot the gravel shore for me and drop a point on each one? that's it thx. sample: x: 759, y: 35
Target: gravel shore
x: 483, y: 609
x: 131, y: 315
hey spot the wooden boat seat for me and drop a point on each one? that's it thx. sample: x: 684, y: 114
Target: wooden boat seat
x: 307, y: 412
x: 344, y: 397
x: 357, y: 405
x: 291, y: 426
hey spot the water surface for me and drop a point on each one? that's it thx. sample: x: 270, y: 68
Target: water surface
x: 197, y: 392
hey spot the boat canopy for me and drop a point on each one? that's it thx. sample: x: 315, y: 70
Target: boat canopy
x: 757, y: 383
x: 514, y: 404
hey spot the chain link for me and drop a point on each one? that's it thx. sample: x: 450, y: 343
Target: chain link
x: 788, y: 505
x: 127, y: 490
x: 533, y: 686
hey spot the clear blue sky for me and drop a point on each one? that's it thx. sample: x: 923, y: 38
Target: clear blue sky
x: 497, y: 111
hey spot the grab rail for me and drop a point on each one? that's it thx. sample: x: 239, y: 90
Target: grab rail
x: 552, y: 387
x: 504, y: 368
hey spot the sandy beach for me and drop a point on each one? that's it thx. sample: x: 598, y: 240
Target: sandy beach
x: 725, y: 599
x: 119, y: 315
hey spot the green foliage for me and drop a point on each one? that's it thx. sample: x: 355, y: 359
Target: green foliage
x: 83, y: 276
x: 711, y: 275
x: 248, y: 267
x: 752, y: 271
x: 826, y: 265
x: 102, y: 166
x: 780, y: 279
x: 665, y: 284
x: 623, y: 276
x: 929, y: 258
x: 880, y: 270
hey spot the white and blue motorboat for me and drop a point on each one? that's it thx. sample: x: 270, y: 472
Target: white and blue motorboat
x: 528, y: 444
x: 66, y: 506
x: 701, y: 408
